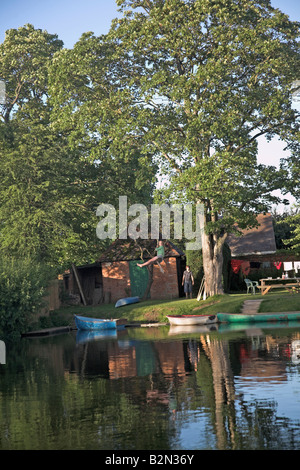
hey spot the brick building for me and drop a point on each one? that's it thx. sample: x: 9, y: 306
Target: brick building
x: 122, y: 278
x: 115, y: 274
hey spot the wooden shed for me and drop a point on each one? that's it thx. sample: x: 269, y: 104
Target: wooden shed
x: 83, y: 284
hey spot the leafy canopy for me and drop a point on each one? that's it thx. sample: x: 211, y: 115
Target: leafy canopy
x: 56, y: 162
x: 207, y: 78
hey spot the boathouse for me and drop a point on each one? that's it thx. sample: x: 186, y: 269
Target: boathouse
x: 121, y: 277
x: 115, y: 274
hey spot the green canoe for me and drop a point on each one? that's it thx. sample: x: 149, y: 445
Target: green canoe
x: 258, y: 317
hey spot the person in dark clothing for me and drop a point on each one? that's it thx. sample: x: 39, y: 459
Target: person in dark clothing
x: 188, y: 282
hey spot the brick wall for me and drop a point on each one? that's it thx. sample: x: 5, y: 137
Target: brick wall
x: 116, y: 280
x: 165, y: 285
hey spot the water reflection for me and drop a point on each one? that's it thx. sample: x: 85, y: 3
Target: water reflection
x: 209, y: 387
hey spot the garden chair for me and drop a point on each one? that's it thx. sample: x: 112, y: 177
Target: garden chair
x: 251, y: 285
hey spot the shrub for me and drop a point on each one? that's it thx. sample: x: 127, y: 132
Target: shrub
x: 23, y: 284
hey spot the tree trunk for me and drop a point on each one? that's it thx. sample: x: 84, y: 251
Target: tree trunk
x: 212, y: 252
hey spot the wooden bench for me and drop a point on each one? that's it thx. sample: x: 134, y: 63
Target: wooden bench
x: 292, y: 287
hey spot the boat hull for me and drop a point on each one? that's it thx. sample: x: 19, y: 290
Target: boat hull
x: 187, y: 320
x: 192, y: 329
x: 86, y: 323
x: 127, y: 301
x: 258, y: 317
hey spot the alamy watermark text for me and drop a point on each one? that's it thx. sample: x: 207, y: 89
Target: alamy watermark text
x: 159, y: 218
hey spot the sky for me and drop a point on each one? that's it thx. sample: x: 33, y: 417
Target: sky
x: 69, y: 19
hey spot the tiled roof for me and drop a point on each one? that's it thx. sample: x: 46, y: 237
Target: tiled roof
x: 258, y: 240
x: 128, y: 250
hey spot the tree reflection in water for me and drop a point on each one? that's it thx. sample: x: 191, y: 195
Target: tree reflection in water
x: 152, y: 389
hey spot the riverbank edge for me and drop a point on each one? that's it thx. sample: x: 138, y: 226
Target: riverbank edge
x: 67, y: 329
x: 153, y: 313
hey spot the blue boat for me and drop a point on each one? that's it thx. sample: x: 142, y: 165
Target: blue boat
x: 86, y: 323
x: 127, y: 301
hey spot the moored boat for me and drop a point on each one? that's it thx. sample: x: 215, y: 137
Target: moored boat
x: 127, y: 301
x: 192, y: 329
x: 258, y: 317
x: 187, y: 320
x: 86, y: 323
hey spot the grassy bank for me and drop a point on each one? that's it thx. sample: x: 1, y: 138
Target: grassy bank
x: 156, y: 310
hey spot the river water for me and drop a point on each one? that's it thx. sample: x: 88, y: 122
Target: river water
x: 224, y: 388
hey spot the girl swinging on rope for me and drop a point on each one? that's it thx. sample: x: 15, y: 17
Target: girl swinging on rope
x: 159, y: 257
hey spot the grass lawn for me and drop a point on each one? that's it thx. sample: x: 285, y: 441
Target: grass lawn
x: 156, y: 310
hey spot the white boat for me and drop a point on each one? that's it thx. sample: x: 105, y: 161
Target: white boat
x: 186, y: 320
x: 190, y: 329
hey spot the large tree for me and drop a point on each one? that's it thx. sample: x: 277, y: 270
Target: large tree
x: 54, y: 168
x: 292, y: 166
x: 24, y: 58
x: 206, y: 79
x: 86, y: 90
x: 43, y: 213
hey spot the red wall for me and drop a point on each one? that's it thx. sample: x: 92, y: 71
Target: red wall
x: 116, y: 280
x: 165, y: 285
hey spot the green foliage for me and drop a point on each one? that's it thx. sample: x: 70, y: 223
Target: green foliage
x: 24, y: 58
x: 39, y: 206
x: 207, y: 79
x: 291, y: 165
x: 294, y: 221
x: 282, y: 229
x: 194, y: 260
x: 23, y: 284
x: 57, y: 161
x: 187, y: 85
x: 286, y: 229
x: 85, y: 88
x: 42, y: 212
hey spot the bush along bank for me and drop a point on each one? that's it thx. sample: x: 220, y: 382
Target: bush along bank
x: 23, y: 283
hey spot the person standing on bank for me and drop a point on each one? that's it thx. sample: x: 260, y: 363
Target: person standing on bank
x: 188, y: 282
